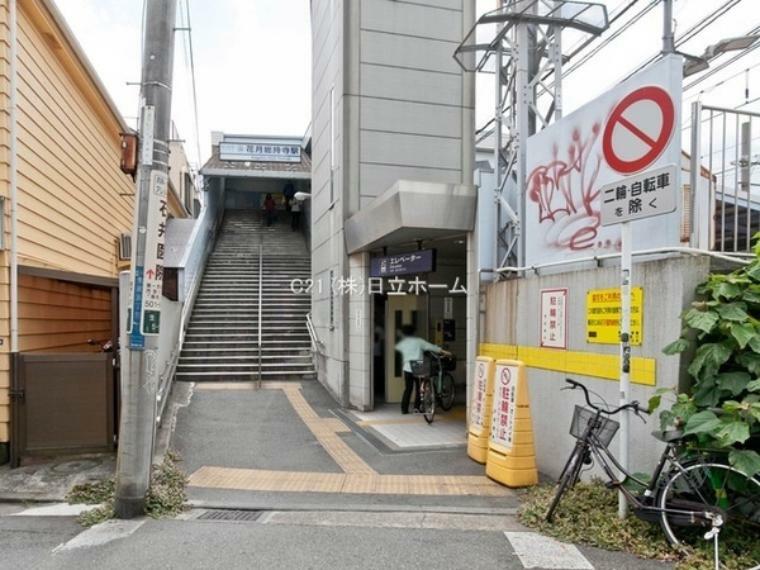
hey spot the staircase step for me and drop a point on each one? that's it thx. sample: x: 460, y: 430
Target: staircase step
x: 246, y: 291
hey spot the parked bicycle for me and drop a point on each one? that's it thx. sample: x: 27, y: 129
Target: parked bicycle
x: 436, y: 384
x: 693, y: 495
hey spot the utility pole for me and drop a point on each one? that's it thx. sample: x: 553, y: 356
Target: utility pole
x: 668, y: 37
x: 140, y: 355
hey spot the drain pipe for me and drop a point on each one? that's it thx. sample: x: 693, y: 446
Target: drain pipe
x: 13, y: 174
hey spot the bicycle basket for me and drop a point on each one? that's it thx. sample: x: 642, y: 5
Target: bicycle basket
x: 449, y: 364
x: 420, y: 367
x: 605, y: 429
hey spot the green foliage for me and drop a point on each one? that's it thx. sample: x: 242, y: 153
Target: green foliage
x: 92, y: 493
x: 165, y: 498
x: 588, y: 515
x: 722, y: 408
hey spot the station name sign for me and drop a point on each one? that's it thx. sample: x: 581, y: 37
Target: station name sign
x: 411, y: 263
x: 260, y: 150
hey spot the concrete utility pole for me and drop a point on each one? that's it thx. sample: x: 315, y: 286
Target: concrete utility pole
x: 668, y: 36
x: 139, y: 363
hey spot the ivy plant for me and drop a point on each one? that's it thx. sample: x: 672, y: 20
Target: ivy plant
x: 721, y: 410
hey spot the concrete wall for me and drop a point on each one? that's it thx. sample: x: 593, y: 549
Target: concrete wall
x: 401, y: 108
x: 512, y: 318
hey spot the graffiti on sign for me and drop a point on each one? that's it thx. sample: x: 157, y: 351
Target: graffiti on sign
x: 572, y: 161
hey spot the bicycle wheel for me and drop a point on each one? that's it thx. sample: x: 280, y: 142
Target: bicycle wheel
x: 712, y: 488
x: 568, y: 478
x: 447, y: 394
x: 428, y: 400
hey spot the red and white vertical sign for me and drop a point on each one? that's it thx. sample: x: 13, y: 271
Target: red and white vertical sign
x: 554, y: 318
x: 478, y: 406
x: 504, y: 405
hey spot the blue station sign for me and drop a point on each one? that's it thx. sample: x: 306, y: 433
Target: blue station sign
x: 412, y: 263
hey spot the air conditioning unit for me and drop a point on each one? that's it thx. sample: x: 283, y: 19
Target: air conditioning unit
x: 125, y: 247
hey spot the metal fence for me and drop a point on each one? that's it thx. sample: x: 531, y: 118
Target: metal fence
x: 725, y: 208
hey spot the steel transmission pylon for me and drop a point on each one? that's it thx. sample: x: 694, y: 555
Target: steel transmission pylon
x: 521, y: 44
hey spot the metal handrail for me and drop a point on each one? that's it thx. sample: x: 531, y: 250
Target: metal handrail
x: 317, y: 346
x: 737, y: 258
x: 261, y: 285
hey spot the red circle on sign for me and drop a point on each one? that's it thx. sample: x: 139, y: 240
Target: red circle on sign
x: 659, y: 97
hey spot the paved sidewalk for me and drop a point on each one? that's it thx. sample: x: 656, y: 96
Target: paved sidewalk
x: 51, y: 480
x: 411, y: 432
x: 239, y: 442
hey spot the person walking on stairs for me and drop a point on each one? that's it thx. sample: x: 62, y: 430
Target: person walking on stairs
x: 295, y: 215
x: 269, y: 208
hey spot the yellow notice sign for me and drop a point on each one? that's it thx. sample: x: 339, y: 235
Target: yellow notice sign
x: 603, y: 316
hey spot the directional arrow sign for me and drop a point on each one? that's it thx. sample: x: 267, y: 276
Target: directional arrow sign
x: 644, y: 195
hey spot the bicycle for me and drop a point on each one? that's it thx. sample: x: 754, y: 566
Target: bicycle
x: 689, y: 493
x: 436, y: 384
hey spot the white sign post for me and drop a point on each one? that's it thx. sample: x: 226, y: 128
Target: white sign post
x: 637, y: 133
x: 589, y: 175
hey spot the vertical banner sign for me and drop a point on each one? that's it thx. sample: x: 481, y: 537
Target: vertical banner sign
x: 554, y: 318
x: 478, y: 408
x: 504, y: 403
x: 147, y: 285
x: 154, y: 254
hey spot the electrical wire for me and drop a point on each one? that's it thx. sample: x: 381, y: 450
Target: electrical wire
x: 713, y: 70
x: 722, y: 82
x: 189, y: 44
x: 609, y: 39
x: 693, y: 31
x: 618, y: 12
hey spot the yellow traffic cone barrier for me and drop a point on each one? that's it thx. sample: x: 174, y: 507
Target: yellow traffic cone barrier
x: 511, y: 457
x: 480, y: 409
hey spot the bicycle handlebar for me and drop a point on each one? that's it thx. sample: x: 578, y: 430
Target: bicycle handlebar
x: 637, y: 409
x: 438, y: 355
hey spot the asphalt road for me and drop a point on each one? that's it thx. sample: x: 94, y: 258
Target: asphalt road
x: 27, y: 542
x: 300, y: 530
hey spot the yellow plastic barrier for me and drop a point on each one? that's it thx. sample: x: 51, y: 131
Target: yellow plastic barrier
x: 511, y: 458
x: 480, y: 409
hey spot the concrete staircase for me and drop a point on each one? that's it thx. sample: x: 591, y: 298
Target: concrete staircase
x: 222, y: 341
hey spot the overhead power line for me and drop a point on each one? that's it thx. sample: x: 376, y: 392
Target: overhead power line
x: 693, y: 31
x: 713, y: 70
x: 611, y: 38
x: 194, y: 89
x: 723, y: 81
x: 617, y: 14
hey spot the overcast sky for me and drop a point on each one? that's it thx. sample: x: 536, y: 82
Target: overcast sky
x: 253, y: 60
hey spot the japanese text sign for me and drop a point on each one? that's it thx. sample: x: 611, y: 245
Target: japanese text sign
x: 554, y: 318
x: 422, y: 261
x: 631, y: 128
x: 603, y: 316
x: 504, y: 405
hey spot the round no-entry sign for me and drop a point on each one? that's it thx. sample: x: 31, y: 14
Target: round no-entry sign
x: 638, y: 129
